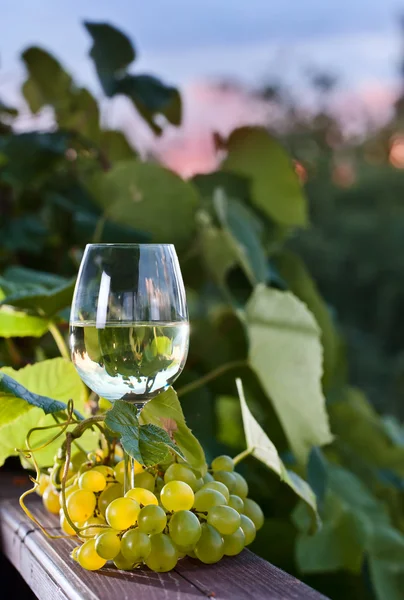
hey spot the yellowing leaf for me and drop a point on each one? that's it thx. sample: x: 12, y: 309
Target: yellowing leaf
x: 16, y: 323
x: 286, y: 353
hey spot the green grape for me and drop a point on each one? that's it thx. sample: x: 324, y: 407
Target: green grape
x: 192, y: 554
x: 43, y: 483
x: 65, y: 525
x: 51, y: 500
x: 223, y: 463
x: 81, y: 505
x: 219, y: 487
x: 158, y: 485
x: 108, y: 472
x: 234, y: 543
x: 145, y: 480
x: 225, y: 519
x: 249, y: 529
x: 92, y: 531
x: 135, y: 545
x: 122, y: 563
x: 93, y: 481
x: 112, y: 492
x: 74, y: 552
x: 142, y: 496
x: 177, y: 495
x: 205, y: 499
x: 119, y: 472
x: 199, y: 483
x: 72, y: 488
x: 163, y: 555
x: 122, y: 513
x: 185, y: 528
x: 108, y: 544
x: 152, y: 519
x: 227, y: 478
x: 88, y: 558
x: 78, y: 459
x: 254, y: 512
x: 208, y: 477
x: 241, y: 486
x: 236, y: 502
x: 209, y: 548
x: 180, y: 472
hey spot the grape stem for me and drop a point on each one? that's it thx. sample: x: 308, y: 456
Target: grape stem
x: 243, y: 455
x: 194, y: 385
x: 59, y: 340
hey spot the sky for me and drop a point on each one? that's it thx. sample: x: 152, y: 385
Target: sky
x: 190, y: 43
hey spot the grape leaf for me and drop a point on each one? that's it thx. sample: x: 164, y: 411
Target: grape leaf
x: 57, y: 378
x: 264, y: 450
x: 286, y: 354
x: 16, y: 323
x: 275, y: 188
x: 167, y: 406
x: 148, y: 444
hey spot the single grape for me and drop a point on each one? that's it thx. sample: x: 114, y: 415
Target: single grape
x: 65, y: 526
x: 208, y: 477
x: 249, y: 529
x: 163, y: 555
x: 119, y: 472
x: 177, y: 495
x: 209, y: 548
x: 225, y: 519
x: 236, y: 502
x: 122, y: 563
x: 192, y: 554
x: 145, y: 480
x: 88, y: 558
x: 72, y: 488
x: 77, y: 460
x: 223, y: 463
x: 122, y: 513
x: 135, y: 545
x: 92, y: 531
x: 227, y: 478
x: 108, y: 472
x: 199, y: 483
x: 51, y: 500
x: 142, y: 496
x: 254, y: 512
x: 43, y: 483
x: 205, y: 499
x: 180, y: 472
x: 93, y: 481
x: 152, y: 519
x: 219, y: 487
x: 108, y: 544
x: 112, y: 492
x: 241, y: 486
x: 81, y: 505
x: 185, y: 528
x: 234, y: 543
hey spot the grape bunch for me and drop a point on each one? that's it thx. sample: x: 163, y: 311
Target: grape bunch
x: 169, y: 514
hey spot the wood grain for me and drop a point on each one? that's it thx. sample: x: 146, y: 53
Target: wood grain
x: 50, y: 572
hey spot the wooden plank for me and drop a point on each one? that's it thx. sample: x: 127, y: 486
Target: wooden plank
x: 245, y: 577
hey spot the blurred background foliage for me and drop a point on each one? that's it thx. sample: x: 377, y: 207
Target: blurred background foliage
x: 252, y: 250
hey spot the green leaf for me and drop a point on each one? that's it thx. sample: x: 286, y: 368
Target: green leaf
x: 242, y: 229
x: 165, y: 411
x: 286, y: 354
x: 218, y: 255
x: 48, y: 81
x: 275, y: 188
x: 152, y: 98
x: 79, y: 112
x: 264, y: 450
x: 148, y: 444
x: 150, y: 198
x: 292, y: 269
x: 51, y: 383
x: 44, y: 293
x: 112, y: 52
x: 15, y: 323
x: 115, y: 146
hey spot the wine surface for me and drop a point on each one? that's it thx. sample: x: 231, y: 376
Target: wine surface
x: 129, y: 360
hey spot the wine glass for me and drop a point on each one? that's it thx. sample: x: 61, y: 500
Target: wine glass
x: 129, y: 328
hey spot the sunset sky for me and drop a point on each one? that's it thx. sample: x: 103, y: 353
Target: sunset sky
x: 191, y: 43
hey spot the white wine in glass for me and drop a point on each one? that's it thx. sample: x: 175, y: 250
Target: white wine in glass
x: 129, y: 327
